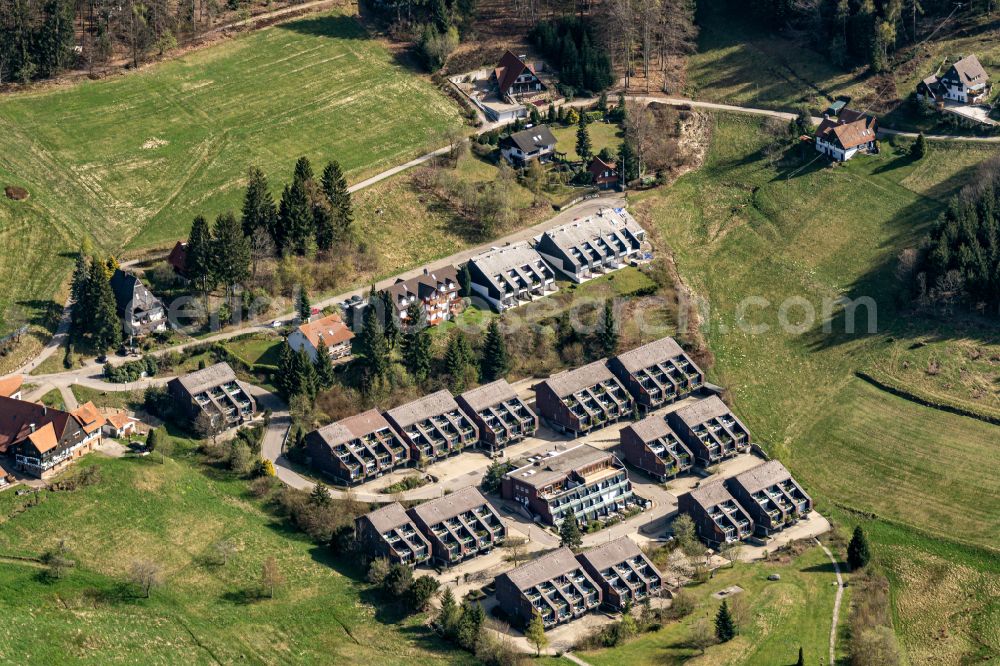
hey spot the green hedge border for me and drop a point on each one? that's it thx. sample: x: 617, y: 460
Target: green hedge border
x: 891, y: 385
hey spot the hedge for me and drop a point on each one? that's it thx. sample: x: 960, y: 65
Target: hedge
x: 892, y: 385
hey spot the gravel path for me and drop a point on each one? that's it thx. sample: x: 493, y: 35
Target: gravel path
x: 836, y: 603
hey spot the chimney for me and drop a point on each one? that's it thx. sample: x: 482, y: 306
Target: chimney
x: 31, y: 428
x: 426, y: 272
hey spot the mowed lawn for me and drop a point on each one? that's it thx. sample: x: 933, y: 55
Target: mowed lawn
x: 748, y: 237
x: 205, y: 612
x: 130, y: 160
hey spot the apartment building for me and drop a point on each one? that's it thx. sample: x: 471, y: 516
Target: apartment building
x: 718, y: 517
x: 216, y: 392
x: 459, y: 525
x: 710, y: 430
x: 433, y: 426
x: 624, y: 573
x: 390, y: 533
x: 358, y: 448
x: 42, y: 441
x: 500, y: 415
x: 770, y: 496
x: 581, y: 400
x: 657, y: 373
x: 509, y: 276
x: 594, y: 245
x: 436, y: 292
x: 584, y: 481
x: 652, y: 446
x: 555, y: 585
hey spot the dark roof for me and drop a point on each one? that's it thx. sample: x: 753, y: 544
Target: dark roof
x: 532, y: 138
x: 488, y: 395
x: 508, y: 70
x: 850, y: 130
x: 658, y: 351
x: 556, y: 467
x: 652, y: 428
x: 763, y: 476
x: 388, y: 517
x: 131, y: 295
x: 612, y: 553
x: 426, y: 284
x: 569, y: 382
x: 437, y: 510
x: 423, y: 408
x: 970, y: 71
x: 598, y: 165
x: 206, y: 378
x: 178, y: 257
x: 352, y: 427
x: 711, y: 494
x: 703, y: 410
x: 17, y: 416
x: 557, y: 563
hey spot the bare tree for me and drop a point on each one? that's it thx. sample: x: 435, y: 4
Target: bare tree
x: 270, y: 576
x: 620, y: 27
x: 640, y: 129
x: 261, y: 247
x: 146, y: 575
x: 731, y: 551
x: 516, y: 546
x: 701, y: 636
x: 224, y: 549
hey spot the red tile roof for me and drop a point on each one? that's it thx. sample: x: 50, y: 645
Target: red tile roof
x: 11, y: 385
x: 331, y: 329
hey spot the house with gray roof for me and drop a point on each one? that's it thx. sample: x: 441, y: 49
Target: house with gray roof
x: 459, y: 525
x: 141, y: 312
x: 592, y: 246
x: 965, y: 82
x: 216, y: 392
x: 718, y: 517
x: 433, y: 426
x: 771, y: 496
x: 509, y: 276
x: 653, y: 446
x: 534, y: 143
x: 585, y: 482
x: 657, y: 373
x: 358, y: 448
x: 555, y: 585
x: 500, y: 415
x: 587, y: 398
x: 390, y: 533
x: 623, y: 571
x: 710, y: 430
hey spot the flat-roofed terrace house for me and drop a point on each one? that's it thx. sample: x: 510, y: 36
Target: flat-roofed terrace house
x: 657, y: 373
x: 459, y: 525
x: 500, y: 415
x: 592, y: 246
x: 624, y: 573
x: 433, y: 426
x: 436, y: 291
x: 512, y: 275
x: 358, y: 448
x: 770, y: 495
x: 214, y: 391
x: 710, y: 430
x: 652, y: 446
x: 587, y: 398
x: 718, y: 517
x: 583, y: 481
x: 555, y: 584
x: 390, y: 533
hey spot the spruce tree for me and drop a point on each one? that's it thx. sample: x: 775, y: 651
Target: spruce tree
x: 296, y: 220
x: 81, y: 308
x: 448, y: 616
x: 286, y: 366
x: 323, y: 223
x: 725, y: 628
x: 583, y: 145
x: 417, y: 343
x: 105, y: 326
x: 551, y: 115
x: 230, y: 251
x: 858, y: 554
x: 391, y: 328
x: 496, y: 362
x: 373, y: 345
x: 303, y: 170
x: 607, y: 334
x: 320, y: 496
x: 459, y: 362
x: 569, y: 532
x: 324, y: 366
x: 919, y: 148
x: 199, y: 254
x: 303, y: 380
x: 628, y: 162
x: 464, y: 281
x: 259, y: 211
x: 335, y: 187
x: 302, y: 306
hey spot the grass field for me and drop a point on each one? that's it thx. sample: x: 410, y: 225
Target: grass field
x: 203, y: 612
x: 602, y: 135
x: 128, y: 161
x: 53, y: 399
x: 781, y: 616
x: 742, y: 229
x: 257, y: 349
x: 107, y: 399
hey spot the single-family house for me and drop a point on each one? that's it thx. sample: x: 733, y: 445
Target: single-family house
x: 513, y: 77
x: 10, y: 387
x: 459, y: 525
x: 390, y: 533
x: 509, y: 276
x: 501, y: 416
x: 624, y: 573
x: 848, y: 134
x: 92, y: 422
x: 770, y: 495
x: 534, y: 143
x: 604, y: 175
x: 966, y: 82
x: 657, y: 373
x: 555, y: 585
x: 587, y: 398
x: 433, y: 426
x: 436, y: 292
x: 120, y: 425
x: 329, y: 330
x: 710, y: 430
x: 592, y: 246
x: 358, y: 448
x: 653, y: 446
x: 718, y: 517
x: 141, y: 312
x: 41, y: 441
x: 216, y: 392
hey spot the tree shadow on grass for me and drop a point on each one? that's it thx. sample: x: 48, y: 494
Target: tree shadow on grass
x: 244, y: 596
x: 824, y: 567
x: 335, y: 26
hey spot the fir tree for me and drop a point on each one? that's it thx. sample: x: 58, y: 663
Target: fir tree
x: 496, y: 362
x: 628, y: 162
x: 259, y: 211
x: 725, y: 628
x: 302, y: 307
x: 303, y: 170
x: 373, y: 344
x: 448, y: 616
x: 324, y: 366
x: 459, y: 362
x: 198, y: 261
x: 286, y: 366
x: 81, y: 308
x: 391, y: 327
x: 858, y: 554
x: 583, y: 145
x: 335, y: 188
x: 464, y: 281
x: 323, y: 223
x: 551, y: 116
x: 105, y: 327
x: 919, y: 148
x: 303, y: 380
x: 230, y: 251
x: 320, y: 496
x: 296, y: 220
x: 417, y: 343
x: 607, y: 334
x: 569, y: 532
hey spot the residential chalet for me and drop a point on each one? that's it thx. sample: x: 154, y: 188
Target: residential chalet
x: 652, y: 446
x: 433, y: 426
x: 718, y: 517
x: 358, y: 448
x: 141, y: 312
x: 92, y: 422
x: 965, y: 82
x: 42, y: 441
x: 509, y: 276
x: 10, y: 387
x: 459, y: 525
x: 329, y: 330
x: 584, y: 481
x: 534, y: 143
x: 604, y: 175
x: 436, y: 291
x: 390, y: 533
x: 710, y: 430
x: 513, y: 78
x: 500, y: 415
x: 624, y: 573
x: 592, y: 246
x: 216, y: 392
x: 587, y: 398
x: 554, y: 584
x: 770, y: 495
x: 845, y: 136
x: 657, y: 373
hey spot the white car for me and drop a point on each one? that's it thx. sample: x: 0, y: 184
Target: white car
x: 276, y: 323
